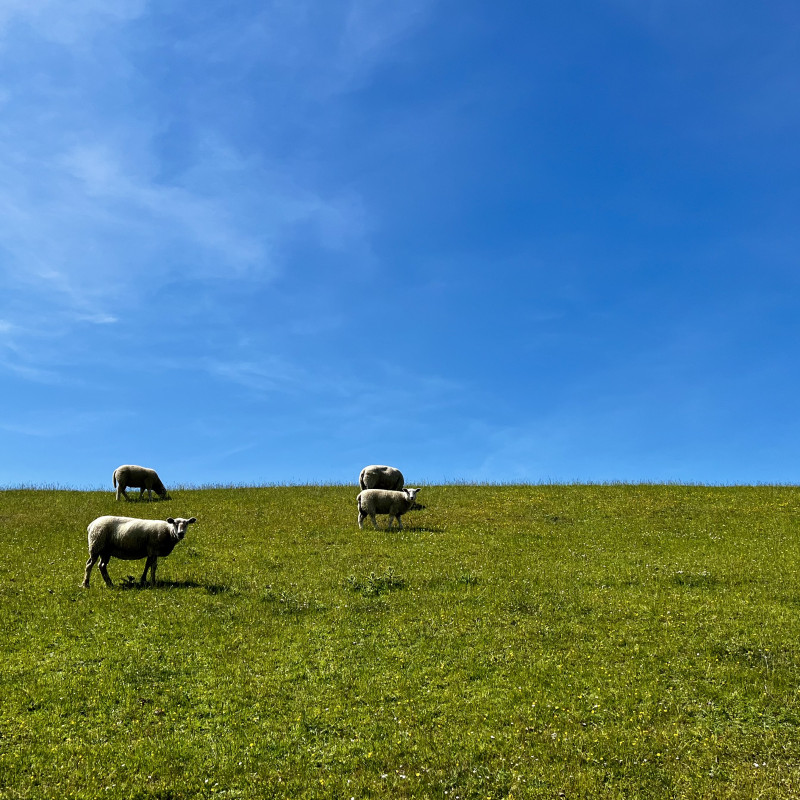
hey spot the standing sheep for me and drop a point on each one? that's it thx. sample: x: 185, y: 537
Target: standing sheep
x: 384, y: 501
x: 377, y: 476
x: 132, y: 539
x: 138, y: 478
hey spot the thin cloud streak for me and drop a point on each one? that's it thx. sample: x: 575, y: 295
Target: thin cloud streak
x: 55, y: 424
x: 88, y: 220
x: 28, y: 373
x: 354, y: 396
x: 72, y: 23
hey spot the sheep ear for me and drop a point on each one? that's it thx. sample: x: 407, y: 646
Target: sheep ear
x: 171, y: 521
x: 190, y: 521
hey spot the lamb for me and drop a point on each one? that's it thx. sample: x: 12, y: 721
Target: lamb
x: 131, y: 539
x: 378, y: 476
x: 385, y: 501
x: 139, y: 478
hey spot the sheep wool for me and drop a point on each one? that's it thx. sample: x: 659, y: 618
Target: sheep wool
x: 385, y: 501
x: 141, y: 478
x: 132, y: 539
x: 378, y: 476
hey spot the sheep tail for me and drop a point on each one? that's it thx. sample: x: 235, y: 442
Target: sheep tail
x: 114, y: 479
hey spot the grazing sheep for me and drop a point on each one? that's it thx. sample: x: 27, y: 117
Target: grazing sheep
x: 377, y: 476
x: 138, y: 478
x: 384, y: 501
x: 131, y: 539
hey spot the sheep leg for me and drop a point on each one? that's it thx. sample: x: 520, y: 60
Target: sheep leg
x: 399, y: 522
x: 89, y: 565
x: 121, y: 490
x: 361, y: 517
x: 374, y: 521
x: 102, y: 565
x: 150, y: 564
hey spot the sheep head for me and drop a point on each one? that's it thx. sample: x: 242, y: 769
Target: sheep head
x: 179, y: 526
x: 412, y: 496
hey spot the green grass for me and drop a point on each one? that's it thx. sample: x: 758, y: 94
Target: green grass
x: 614, y: 641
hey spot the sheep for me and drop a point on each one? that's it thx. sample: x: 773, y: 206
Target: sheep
x: 139, y: 478
x: 131, y: 539
x: 385, y: 501
x: 378, y: 476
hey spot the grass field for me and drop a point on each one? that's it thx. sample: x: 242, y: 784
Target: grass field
x: 603, y: 641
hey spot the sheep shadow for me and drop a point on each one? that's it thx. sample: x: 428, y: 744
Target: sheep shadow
x: 155, y: 499
x: 415, y: 529
x: 131, y: 582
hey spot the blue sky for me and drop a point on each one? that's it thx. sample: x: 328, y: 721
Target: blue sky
x: 272, y: 242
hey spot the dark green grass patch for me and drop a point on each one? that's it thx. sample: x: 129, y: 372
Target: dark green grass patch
x: 511, y: 641
x: 373, y: 585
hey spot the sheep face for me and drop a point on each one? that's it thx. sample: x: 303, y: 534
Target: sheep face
x: 412, y: 496
x: 180, y: 526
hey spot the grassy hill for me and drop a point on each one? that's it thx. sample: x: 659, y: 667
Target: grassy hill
x: 513, y: 641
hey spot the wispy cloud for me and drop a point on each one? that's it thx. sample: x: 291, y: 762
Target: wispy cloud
x: 30, y: 373
x: 317, y: 49
x: 262, y: 377
x: 373, y: 29
x: 68, y: 423
x: 130, y: 163
x: 71, y: 23
x: 90, y: 212
x: 390, y: 396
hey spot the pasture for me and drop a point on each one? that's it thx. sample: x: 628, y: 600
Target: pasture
x: 602, y: 641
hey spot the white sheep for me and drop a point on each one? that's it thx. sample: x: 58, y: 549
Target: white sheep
x: 138, y: 478
x: 385, y: 501
x: 377, y: 476
x: 132, y: 539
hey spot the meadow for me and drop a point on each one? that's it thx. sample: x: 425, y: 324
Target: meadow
x: 540, y: 641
